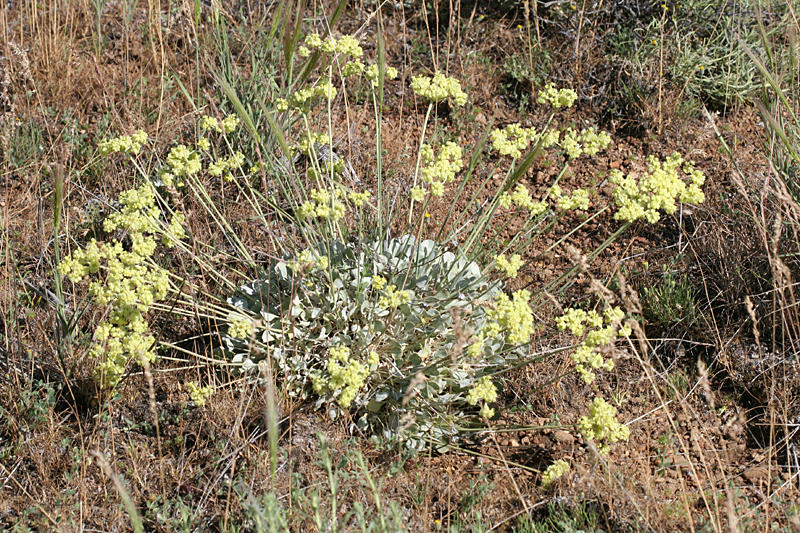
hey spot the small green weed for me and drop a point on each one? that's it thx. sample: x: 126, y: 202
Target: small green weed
x: 671, y: 301
x: 584, y: 517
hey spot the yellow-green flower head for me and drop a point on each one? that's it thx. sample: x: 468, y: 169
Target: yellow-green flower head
x: 418, y: 194
x: 129, y: 284
x: 378, y: 283
x: 198, y: 394
x: 229, y: 123
x: 573, y: 320
x: 437, y: 188
x: 439, y: 88
x: 303, y: 260
x: 174, y: 231
x: 322, y: 205
x: 594, y: 141
x: 578, y: 200
x: 326, y: 89
x: 346, y: 376
x: 131, y: 144
x: 556, y: 470
x: 183, y: 161
x: 394, y: 298
x: 443, y: 167
x: 521, y: 198
x: 570, y: 143
x: 235, y: 160
x: 204, y: 144
x: 484, y: 390
x: 475, y: 349
x: 557, y: 98
x: 373, y: 359
x: 550, y: 138
x: 656, y: 190
x: 359, y: 198
x: 512, y: 316
x: 510, y: 267
x: 217, y: 168
x: 588, y: 355
x: 208, y: 123
x: 352, y: 68
x: 240, y: 328
x: 486, y: 411
x: 348, y: 45
x: 313, y: 41
x: 373, y: 71
x: 303, y: 51
x: 602, y: 425
x: 328, y: 45
x: 512, y: 139
x: 303, y: 98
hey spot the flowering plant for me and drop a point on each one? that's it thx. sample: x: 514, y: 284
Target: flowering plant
x: 404, y: 334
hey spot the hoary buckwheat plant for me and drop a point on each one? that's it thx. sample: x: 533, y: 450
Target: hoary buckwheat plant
x: 401, y: 333
x: 410, y: 337
x: 399, y: 322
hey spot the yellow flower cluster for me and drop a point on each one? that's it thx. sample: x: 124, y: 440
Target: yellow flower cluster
x: 602, y: 330
x: 512, y: 316
x: 579, y: 199
x: 352, y: 68
x: 127, y: 282
x: 130, y: 144
x: 373, y: 71
x: 588, y: 141
x: 521, y: 198
x: 346, y: 45
x: 392, y: 297
x: 483, y: 391
x: 226, y: 166
x: 308, y: 143
x: 418, y: 194
x: 378, y: 283
x: 303, y: 98
x: 240, y: 328
x: 513, y: 139
x: 602, y: 425
x: 476, y: 348
x: 553, y: 472
x: 309, y: 259
x: 323, y: 204
x: 183, y: 161
x: 199, y: 394
x: 226, y: 125
x: 557, y: 98
x: 510, y: 267
x: 439, y: 88
x: 439, y: 169
x: 658, y: 189
x: 346, y: 375
x: 359, y: 198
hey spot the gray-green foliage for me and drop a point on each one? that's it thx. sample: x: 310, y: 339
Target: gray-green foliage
x: 415, y: 349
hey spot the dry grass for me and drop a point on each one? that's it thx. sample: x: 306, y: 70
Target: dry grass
x: 713, y: 407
